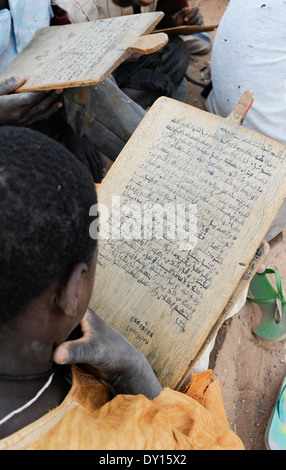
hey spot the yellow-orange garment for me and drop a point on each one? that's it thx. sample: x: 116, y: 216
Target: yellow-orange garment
x: 89, y: 418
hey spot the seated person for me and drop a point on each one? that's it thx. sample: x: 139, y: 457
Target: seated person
x: 47, y: 268
x: 160, y: 73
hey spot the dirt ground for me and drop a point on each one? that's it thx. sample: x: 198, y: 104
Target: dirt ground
x: 249, y: 370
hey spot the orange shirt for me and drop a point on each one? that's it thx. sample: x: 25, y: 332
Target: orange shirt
x: 89, y: 419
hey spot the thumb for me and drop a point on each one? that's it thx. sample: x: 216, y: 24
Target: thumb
x: 185, y: 11
x: 261, y: 269
x: 70, y: 352
x: 11, y: 84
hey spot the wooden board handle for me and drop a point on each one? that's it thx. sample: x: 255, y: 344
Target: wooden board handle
x: 186, y: 30
x: 239, y: 113
x: 149, y: 43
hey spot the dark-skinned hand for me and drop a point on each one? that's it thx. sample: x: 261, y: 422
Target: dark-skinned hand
x: 24, y: 109
x: 104, y: 352
x: 189, y: 16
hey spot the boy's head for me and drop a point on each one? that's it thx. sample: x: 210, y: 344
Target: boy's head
x: 45, y: 198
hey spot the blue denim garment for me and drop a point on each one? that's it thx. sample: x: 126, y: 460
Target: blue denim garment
x: 19, y: 24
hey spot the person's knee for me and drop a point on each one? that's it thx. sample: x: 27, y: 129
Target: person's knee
x: 198, y: 44
x: 175, y: 60
x: 178, y: 52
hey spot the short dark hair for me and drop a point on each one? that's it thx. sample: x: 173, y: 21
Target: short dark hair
x: 45, y: 198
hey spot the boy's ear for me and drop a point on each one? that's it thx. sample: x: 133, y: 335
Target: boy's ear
x: 71, y: 296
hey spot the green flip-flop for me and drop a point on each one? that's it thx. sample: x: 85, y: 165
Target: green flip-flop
x: 275, y: 436
x: 272, y: 304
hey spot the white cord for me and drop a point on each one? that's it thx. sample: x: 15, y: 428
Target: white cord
x: 13, y: 413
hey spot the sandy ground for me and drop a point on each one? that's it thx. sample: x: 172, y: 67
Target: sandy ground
x: 249, y: 370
